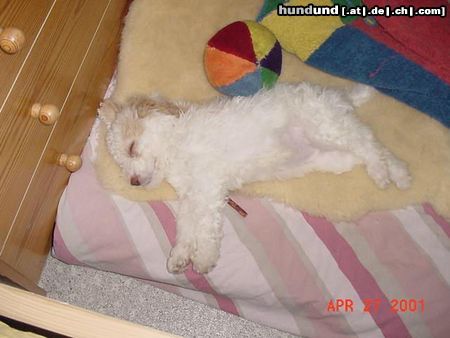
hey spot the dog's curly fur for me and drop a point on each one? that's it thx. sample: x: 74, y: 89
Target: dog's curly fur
x: 207, y: 150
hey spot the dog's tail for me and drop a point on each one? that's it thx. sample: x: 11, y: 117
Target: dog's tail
x: 360, y: 94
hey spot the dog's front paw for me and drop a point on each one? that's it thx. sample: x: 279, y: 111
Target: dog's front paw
x: 179, y: 258
x: 206, y: 256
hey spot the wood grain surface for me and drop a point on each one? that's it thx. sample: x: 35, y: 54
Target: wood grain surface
x: 34, y: 223
x: 28, y: 16
x: 47, y: 77
x: 70, y: 66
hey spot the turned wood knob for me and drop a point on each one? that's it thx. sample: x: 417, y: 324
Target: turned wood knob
x: 12, y: 40
x: 70, y: 162
x: 47, y: 114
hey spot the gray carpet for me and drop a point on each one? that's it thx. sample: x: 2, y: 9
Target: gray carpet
x: 136, y: 301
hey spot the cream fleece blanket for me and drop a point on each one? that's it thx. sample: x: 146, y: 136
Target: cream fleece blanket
x: 162, y: 51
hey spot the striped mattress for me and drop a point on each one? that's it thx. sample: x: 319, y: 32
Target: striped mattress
x: 385, y: 275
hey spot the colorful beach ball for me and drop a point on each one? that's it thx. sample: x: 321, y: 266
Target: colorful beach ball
x: 242, y: 58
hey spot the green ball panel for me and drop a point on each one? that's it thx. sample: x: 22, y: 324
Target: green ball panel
x: 268, y: 77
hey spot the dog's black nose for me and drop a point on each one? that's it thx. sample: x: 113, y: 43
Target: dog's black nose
x: 134, y: 180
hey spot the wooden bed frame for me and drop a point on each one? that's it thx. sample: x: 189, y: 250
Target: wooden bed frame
x: 34, y: 313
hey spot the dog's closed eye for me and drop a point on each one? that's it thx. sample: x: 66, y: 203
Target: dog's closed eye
x: 132, y: 150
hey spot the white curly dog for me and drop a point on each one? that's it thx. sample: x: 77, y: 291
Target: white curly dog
x: 207, y: 150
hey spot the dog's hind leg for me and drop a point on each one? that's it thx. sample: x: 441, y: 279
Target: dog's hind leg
x: 349, y: 134
x: 382, y: 166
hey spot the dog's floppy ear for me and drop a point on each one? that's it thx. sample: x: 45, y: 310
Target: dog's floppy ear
x: 144, y: 106
x: 108, y: 111
x: 171, y: 108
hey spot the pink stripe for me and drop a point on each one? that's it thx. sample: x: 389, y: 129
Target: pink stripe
x: 301, y: 285
x: 61, y: 251
x: 168, y: 221
x: 437, y: 218
x: 413, y: 270
x: 101, y: 226
x: 365, y: 285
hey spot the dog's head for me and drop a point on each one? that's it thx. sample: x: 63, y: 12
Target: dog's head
x: 133, y: 135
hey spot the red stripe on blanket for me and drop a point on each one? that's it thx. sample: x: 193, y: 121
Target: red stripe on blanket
x: 168, y: 222
x: 411, y: 266
x: 61, y: 250
x: 301, y: 285
x: 437, y: 218
x: 365, y: 285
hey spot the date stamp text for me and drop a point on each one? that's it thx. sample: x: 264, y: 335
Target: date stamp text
x: 373, y: 305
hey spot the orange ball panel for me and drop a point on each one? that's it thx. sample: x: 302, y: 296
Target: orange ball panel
x: 223, y: 69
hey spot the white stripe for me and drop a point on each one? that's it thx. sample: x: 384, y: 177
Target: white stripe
x: 327, y: 269
x: 144, y: 239
x: 419, y: 230
x: 238, y: 274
